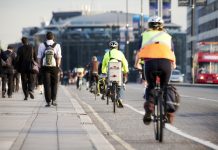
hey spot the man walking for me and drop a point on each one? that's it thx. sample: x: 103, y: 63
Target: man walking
x: 49, y: 58
x: 25, y: 54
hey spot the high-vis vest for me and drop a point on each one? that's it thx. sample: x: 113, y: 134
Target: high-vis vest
x: 114, y: 55
x: 156, y: 44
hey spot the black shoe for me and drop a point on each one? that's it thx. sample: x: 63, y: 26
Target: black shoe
x: 102, y: 98
x: 147, y: 118
x: 31, y: 95
x: 119, y: 103
x: 25, y: 98
x: 3, y: 94
x: 47, y: 105
x: 54, y: 103
x: 9, y: 96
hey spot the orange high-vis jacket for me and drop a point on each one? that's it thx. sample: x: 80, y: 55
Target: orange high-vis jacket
x: 156, y: 44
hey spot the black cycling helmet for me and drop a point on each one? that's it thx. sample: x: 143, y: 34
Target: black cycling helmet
x: 113, y: 44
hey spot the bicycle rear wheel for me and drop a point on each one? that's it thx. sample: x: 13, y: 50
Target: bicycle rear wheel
x: 113, y: 97
x: 155, y: 119
x: 107, y: 94
x: 161, y: 118
x: 96, y: 90
x: 158, y: 119
x: 107, y: 100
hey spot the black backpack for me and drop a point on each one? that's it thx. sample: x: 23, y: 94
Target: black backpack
x: 172, y: 98
x: 6, y: 59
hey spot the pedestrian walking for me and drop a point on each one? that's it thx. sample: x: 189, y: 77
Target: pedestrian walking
x: 7, y: 65
x: 25, y: 54
x: 49, y: 58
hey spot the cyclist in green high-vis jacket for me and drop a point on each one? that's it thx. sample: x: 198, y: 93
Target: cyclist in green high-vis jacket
x: 114, y: 55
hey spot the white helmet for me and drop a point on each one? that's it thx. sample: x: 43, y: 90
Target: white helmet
x: 155, y: 19
x: 113, y: 44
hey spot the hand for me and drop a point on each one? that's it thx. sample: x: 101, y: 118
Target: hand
x: 125, y: 77
x: 173, y: 65
x: 103, y: 75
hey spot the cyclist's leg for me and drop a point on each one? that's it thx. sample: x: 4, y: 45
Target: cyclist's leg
x: 120, y: 91
x: 96, y: 79
x: 77, y: 82
x: 150, y: 68
x: 91, y: 82
x: 165, y: 67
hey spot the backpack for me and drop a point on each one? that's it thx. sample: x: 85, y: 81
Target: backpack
x: 49, y: 56
x: 6, y: 59
x: 172, y: 98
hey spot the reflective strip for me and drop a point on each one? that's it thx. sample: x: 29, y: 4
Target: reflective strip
x: 156, y: 37
x: 151, y: 41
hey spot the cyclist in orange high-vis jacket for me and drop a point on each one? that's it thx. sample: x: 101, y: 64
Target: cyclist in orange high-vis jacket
x: 157, y: 51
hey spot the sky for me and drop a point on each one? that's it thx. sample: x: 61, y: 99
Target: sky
x: 16, y: 14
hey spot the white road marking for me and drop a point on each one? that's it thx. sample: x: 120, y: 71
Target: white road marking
x: 108, y: 128
x: 179, y: 132
x: 200, y: 98
x: 187, y: 96
x: 98, y: 140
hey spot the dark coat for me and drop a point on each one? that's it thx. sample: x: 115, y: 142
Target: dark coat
x: 25, y: 53
x: 4, y: 55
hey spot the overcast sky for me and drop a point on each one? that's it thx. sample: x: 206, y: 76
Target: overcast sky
x: 16, y: 14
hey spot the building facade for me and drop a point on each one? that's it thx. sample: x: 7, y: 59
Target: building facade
x: 82, y: 37
x: 204, y: 28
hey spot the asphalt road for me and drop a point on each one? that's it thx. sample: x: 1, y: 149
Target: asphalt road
x: 195, y: 126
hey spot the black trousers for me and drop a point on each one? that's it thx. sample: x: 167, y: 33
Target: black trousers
x: 151, y: 66
x: 7, y: 78
x: 16, y: 81
x: 50, y: 82
x: 93, y: 77
x: 28, y: 83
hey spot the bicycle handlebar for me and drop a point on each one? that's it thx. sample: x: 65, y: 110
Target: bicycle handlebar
x: 137, y: 69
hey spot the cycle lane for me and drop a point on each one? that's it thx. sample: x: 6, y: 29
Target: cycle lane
x: 143, y: 135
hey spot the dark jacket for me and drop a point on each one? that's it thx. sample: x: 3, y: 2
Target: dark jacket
x: 9, y: 57
x: 25, y: 53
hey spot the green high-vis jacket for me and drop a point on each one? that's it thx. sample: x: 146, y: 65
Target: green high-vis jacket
x: 114, y: 55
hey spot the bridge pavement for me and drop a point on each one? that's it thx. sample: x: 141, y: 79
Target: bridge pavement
x: 26, y: 125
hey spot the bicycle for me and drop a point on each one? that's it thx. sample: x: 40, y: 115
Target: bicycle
x: 94, y: 86
x: 159, y: 114
x: 114, y: 82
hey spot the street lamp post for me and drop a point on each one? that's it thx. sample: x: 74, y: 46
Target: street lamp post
x: 192, y: 42
x: 127, y: 32
x: 141, y: 23
x: 160, y: 8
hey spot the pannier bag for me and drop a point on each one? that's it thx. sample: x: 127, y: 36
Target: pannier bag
x: 172, y: 98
